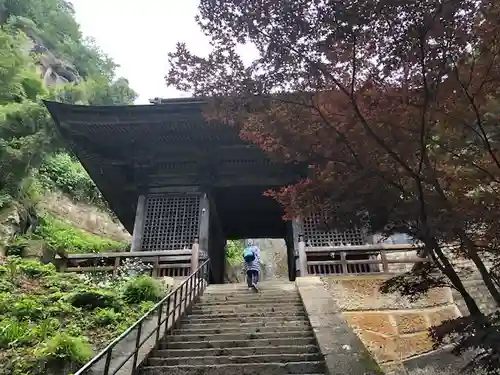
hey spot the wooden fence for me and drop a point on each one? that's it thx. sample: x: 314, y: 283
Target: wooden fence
x: 355, y: 260
x: 173, y: 263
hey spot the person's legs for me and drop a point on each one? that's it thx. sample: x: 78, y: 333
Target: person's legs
x: 255, y: 280
x: 255, y: 277
x: 249, y: 278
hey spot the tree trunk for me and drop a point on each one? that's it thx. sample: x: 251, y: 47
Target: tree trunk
x: 452, y: 275
x: 485, y: 275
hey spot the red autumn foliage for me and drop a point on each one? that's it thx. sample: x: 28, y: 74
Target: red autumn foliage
x: 393, y: 104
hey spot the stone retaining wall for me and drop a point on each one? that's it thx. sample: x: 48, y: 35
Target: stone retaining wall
x: 391, y: 327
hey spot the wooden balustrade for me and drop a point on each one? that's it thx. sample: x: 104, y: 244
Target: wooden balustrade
x: 354, y: 260
x: 173, y: 263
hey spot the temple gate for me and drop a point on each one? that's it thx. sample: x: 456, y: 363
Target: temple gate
x: 177, y: 181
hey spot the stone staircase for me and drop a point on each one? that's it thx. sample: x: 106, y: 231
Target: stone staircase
x: 235, y: 331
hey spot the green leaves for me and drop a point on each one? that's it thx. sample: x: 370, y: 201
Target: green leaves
x: 57, y: 234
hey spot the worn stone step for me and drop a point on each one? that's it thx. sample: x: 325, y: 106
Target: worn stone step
x: 241, y: 343
x: 257, y: 350
x: 245, y: 292
x: 235, y: 329
x: 206, y: 319
x: 247, y: 301
x: 240, y: 336
x: 239, y: 325
x: 221, y: 360
x: 246, y: 314
x: 240, y: 369
x: 246, y: 308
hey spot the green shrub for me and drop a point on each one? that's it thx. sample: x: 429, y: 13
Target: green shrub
x: 63, y: 348
x: 68, y: 175
x: 28, y: 307
x: 58, y: 234
x: 16, y: 247
x: 105, y: 317
x: 5, y: 285
x: 6, y: 300
x: 33, y: 268
x: 61, y: 282
x: 59, y: 308
x: 93, y: 298
x: 3, y: 271
x: 14, y: 333
x: 46, y: 328
x: 142, y: 288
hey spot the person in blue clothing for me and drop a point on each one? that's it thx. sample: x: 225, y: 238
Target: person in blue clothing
x: 251, y: 264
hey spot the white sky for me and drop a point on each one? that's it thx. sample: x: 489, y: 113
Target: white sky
x: 139, y: 34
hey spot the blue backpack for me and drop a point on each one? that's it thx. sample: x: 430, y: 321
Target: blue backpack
x: 248, y: 254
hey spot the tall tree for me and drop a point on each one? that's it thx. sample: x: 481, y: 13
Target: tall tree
x: 386, y: 100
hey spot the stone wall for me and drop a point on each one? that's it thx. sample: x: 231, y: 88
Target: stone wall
x: 84, y: 216
x: 391, y: 327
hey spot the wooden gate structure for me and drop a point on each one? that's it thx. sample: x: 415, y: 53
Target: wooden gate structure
x: 175, y: 179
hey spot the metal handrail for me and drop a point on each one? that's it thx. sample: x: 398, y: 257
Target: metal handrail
x: 190, y: 289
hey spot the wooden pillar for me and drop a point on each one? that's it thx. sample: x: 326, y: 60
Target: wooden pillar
x: 302, y: 256
x: 299, y: 258
x: 195, y: 256
x: 140, y: 213
x: 205, y: 240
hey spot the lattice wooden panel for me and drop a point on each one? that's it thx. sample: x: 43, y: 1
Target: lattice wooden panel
x: 316, y: 237
x: 171, y: 222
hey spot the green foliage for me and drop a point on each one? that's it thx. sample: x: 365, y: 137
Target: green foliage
x: 63, y: 172
x: 14, y: 333
x: 16, y: 247
x: 63, y: 348
x: 49, y: 324
x: 33, y: 268
x: 142, y: 289
x: 57, y: 234
x: 234, y: 252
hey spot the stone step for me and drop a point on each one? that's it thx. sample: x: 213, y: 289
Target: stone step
x: 240, y: 336
x: 206, y: 319
x: 257, y: 350
x: 246, y: 308
x: 241, y: 369
x: 235, y: 329
x: 260, y: 323
x: 244, y: 291
x: 246, y: 314
x: 263, y: 342
x: 222, y: 360
x: 246, y: 301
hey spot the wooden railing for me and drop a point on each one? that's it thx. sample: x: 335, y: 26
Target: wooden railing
x: 173, y: 263
x: 354, y: 260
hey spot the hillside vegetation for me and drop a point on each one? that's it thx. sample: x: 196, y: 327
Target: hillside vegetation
x: 44, y: 56
x: 52, y: 323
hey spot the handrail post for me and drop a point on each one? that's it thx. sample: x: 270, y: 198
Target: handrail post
x: 137, y: 342
x: 195, y: 256
x: 158, y: 326
x: 302, y: 256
